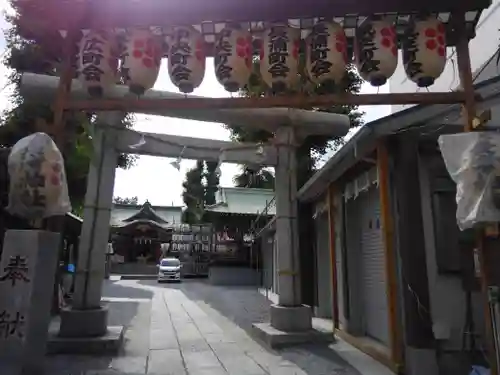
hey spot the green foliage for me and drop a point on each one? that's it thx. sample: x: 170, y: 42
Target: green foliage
x: 211, y: 182
x: 127, y: 200
x: 313, y: 147
x: 23, y: 115
x: 193, y: 194
x: 200, y: 185
x: 260, y: 179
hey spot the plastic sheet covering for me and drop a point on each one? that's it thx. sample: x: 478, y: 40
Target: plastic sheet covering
x: 38, y: 187
x: 473, y: 161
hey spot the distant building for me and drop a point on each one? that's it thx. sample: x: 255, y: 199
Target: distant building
x: 138, y: 231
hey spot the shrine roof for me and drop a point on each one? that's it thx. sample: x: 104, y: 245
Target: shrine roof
x: 142, y: 223
x: 243, y: 201
x: 125, y: 213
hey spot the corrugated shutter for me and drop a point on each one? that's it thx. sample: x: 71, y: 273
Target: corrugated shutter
x: 373, y: 285
x: 339, y: 222
x: 323, y: 266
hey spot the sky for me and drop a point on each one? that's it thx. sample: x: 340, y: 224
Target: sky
x: 153, y: 178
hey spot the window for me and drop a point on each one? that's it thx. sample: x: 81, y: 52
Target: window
x: 170, y: 263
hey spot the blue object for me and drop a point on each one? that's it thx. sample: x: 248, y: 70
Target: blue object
x: 480, y: 370
x: 71, y: 268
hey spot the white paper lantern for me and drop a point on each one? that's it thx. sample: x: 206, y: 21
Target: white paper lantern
x: 233, y: 58
x: 97, y: 62
x: 376, y: 51
x: 141, y: 60
x: 279, y: 57
x: 326, y: 53
x: 424, y: 51
x: 186, y: 58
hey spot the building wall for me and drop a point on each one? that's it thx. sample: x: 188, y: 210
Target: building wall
x: 482, y: 48
x: 446, y: 291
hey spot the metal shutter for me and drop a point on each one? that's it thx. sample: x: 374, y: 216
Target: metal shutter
x: 373, y: 285
x: 339, y: 223
x: 323, y: 266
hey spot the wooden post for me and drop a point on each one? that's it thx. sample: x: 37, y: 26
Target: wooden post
x: 333, y: 255
x: 62, y: 94
x: 469, y: 111
x: 390, y: 256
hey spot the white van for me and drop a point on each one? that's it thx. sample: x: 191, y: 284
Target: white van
x: 169, y: 269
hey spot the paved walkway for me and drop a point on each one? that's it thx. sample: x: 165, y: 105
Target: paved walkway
x: 197, y: 329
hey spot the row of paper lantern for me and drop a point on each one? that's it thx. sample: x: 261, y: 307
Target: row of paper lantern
x: 375, y: 50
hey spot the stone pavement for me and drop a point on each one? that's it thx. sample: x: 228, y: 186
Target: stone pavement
x: 197, y: 329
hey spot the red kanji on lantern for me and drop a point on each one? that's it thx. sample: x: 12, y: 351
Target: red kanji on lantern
x: 341, y: 44
x: 389, y: 39
x: 244, y: 49
x: 200, y: 50
x: 435, y: 39
x: 296, y: 49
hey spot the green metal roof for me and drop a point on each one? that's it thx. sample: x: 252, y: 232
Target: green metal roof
x: 243, y: 201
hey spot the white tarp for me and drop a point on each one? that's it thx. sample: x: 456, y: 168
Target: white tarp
x: 38, y: 187
x: 473, y: 162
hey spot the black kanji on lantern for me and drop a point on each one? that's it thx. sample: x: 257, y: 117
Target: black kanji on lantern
x: 319, y: 51
x: 92, y: 73
x: 278, y: 52
x: 16, y: 270
x: 93, y: 45
x: 92, y: 54
x: 180, y: 51
x: 11, y: 325
x: 222, y: 52
x: 413, y: 67
x: 367, y: 63
x: 181, y: 72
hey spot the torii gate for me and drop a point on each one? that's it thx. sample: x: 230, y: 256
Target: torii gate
x: 87, y: 317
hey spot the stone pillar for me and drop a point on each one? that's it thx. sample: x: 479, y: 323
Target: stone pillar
x: 289, y: 314
x: 87, y: 318
x: 27, y: 272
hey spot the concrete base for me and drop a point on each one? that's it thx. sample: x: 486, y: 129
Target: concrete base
x: 275, y: 338
x: 292, y: 326
x: 291, y: 319
x: 83, y: 323
x: 108, y: 344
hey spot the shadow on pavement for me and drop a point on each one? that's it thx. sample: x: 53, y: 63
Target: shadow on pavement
x: 242, y: 305
x: 134, y: 314
x: 318, y: 359
x: 245, y: 306
x: 125, y: 290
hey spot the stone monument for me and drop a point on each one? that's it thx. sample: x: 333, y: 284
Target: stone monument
x: 38, y: 190
x: 27, y: 272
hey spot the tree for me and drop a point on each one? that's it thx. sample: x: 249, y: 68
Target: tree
x: 193, y: 194
x: 211, y: 182
x: 200, y: 185
x: 25, y: 116
x: 313, y: 147
x: 131, y: 200
x: 250, y: 178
